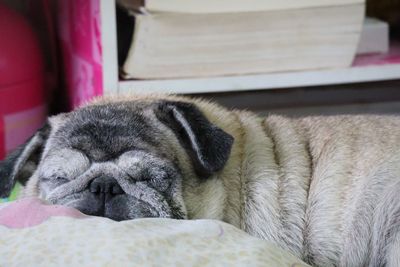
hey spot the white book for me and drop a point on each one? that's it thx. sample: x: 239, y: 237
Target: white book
x: 374, y: 37
x: 182, y: 45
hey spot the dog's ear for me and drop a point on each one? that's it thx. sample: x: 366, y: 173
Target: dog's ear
x: 207, y: 145
x: 20, y: 164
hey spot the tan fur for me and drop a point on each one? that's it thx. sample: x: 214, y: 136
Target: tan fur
x: 310, y: 185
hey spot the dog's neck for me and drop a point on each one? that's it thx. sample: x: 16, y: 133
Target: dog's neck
x: 270, y: 164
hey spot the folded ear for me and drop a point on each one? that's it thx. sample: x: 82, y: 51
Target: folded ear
x: 207, y: 145
x: 22, y: 162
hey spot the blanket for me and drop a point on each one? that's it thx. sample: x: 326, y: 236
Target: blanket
x: 33, y: 233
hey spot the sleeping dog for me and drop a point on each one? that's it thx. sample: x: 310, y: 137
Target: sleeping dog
x: 324, y: 188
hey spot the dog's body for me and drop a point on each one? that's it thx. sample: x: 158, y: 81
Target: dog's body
x: 325, y: 188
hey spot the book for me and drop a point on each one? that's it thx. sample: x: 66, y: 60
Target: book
x: 374, y: 37
x: 186, y: 45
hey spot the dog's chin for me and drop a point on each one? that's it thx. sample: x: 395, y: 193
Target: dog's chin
x: 120, y: 208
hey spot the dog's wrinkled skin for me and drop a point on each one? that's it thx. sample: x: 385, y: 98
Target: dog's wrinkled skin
x: 324, y: 188
x: 120, y: 160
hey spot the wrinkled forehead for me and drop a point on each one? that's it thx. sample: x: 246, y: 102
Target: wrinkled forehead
x: 104, y: 132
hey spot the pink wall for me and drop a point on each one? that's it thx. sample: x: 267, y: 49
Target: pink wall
x: 79, y: 23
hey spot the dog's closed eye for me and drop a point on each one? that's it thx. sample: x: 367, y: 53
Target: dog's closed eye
x: 55, y: 178
x: 62, y: 179
x: 157, y: 178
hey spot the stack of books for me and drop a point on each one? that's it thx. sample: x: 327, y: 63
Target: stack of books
x: 202, y: 38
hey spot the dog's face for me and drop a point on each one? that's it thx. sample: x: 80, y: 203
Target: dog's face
x: 120, y: 160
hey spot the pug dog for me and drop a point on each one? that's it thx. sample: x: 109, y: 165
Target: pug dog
x: 326, y: 189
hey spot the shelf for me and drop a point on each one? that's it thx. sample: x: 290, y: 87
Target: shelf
x: 366, y: 68
x: 266, y: 81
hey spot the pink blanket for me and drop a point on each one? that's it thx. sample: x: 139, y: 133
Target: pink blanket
x: 32, y: 211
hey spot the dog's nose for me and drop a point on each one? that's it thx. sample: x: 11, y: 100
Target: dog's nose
x: 105, y: 185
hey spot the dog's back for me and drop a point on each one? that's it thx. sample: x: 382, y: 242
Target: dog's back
x: 329, y: 191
